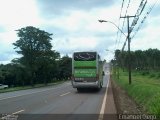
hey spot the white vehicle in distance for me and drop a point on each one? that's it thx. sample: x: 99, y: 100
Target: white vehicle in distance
x: 3, y: 86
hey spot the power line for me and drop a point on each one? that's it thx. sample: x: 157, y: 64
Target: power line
x: 138, y: 13
x: 135, y: 20
x: 144, y: 18
x: 119, y: 23
x: 124, y: 21
x: 128, y: 36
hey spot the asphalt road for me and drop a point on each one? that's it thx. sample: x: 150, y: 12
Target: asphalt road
x: 60, y: 101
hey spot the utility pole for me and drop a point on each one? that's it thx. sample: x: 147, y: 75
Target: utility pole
x: 129, y: 53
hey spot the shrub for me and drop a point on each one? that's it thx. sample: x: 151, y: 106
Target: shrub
x: 152, y: 75
x: 145, y: 73
x: 158, y: 75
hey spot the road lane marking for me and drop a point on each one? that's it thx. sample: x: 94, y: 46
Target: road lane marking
x: 17, y: 112
x: 65, y: 94
x: 104, y: 103
x: 11, y: 116
x: 31, y: 93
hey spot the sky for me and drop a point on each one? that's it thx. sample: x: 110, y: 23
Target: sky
x: 75, y: 27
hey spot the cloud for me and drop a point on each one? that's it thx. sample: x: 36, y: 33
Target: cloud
x: 147, y: 38
x: 4, y: 57
x: 75, y: 44
x: 2, y: 29
x: 80, y: 31
x: 84, y: 43
x: 7, y: 56
x: 50, y: 8
x: 74, y: 24
x: 155, y: 11
x: 18, y: 13
x: 7, y: 53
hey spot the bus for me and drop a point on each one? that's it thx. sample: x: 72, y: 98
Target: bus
x: 87, y: 70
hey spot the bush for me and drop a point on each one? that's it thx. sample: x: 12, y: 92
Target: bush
x: 158, y: 75
x: 144, y: 73
x: 145, y: 91
x: 152, y: 75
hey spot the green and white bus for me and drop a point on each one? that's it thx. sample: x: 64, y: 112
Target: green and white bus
x: 87, y: 70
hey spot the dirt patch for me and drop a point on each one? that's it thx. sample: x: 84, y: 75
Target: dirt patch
x: 124, y: 103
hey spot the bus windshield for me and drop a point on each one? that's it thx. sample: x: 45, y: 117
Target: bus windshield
x: 85, y: 56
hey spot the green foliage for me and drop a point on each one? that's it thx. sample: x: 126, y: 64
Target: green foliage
x: 144, y: 90
x: 38, y: 64
x: 29, y: 87
x: 158, y: 75
x: 140, y: 60
x: 35, y: 47
x: 65, y: 67
x: 152, y: 75
x: 144, y: 73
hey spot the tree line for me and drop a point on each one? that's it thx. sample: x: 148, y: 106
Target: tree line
x: 39, y: 62
x: 140, y: 60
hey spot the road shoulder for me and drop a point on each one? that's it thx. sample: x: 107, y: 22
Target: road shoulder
x: 110, y: 107
x: 124, y: 103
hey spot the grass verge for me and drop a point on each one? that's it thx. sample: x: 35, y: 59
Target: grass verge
x: 145, y: 90
x: 30, y: 87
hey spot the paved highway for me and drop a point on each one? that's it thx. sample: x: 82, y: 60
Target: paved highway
x: 57, y: 100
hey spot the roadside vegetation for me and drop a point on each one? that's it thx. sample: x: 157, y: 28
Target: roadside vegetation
x: 38, y: 64
x: 11, y: 89
x: 145, y: 87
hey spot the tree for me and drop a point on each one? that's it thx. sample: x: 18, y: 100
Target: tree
x: 140, y: 60
x: 35, y: 47
x: 65, y: 67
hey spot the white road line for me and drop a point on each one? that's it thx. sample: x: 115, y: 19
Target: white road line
x: 17, y: 112
x: 103, y: 104
x: 11, y: 116
x: 65, y: 94
x: 29, y: 93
